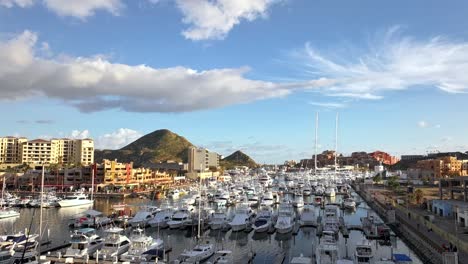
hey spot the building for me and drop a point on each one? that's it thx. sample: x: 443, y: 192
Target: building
x: 65, y: 151
x: 412, y: 157
x: 113, y: 172
x: 10, y: 149
x: 201, y: 159
x: 439, y: 168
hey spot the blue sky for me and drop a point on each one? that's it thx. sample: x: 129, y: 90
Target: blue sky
x: 246, y: 75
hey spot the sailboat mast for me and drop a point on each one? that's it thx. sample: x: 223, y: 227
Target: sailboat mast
x: 336, y: 143
x: 42, y: 200
x: 199, y: 201
x: 92, y: 183
x: 316, y: 141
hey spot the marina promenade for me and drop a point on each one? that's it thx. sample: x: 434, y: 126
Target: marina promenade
x: 427, y: 238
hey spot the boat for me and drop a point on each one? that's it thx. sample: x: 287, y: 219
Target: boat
x: 327, y: 249
x: 222, y: 199
x: 143, y: 216
x: 179, y: 218
x: 198, y: 254
x: 349, y: 203
x: 301, y: 260
x: 308, y: 217
x: 330, y: 192
x: 90, y: 218
x: 307, y: 191
x: 219, y: 221
x: 141, y: 244
x: 77, y: 199
x: 286, y: 216
x: 263, y: 221
x: 223, y: 257
x: 318, y: 200
x: 330, y: 219
x: 253, y: 200
x: 298, y: 201
x: 267, y: 199
x: 162, y: 218
x: 6, y: 212
x: 84, y: 242
x: 242, y: 218
x: 173, y: 194
x: 6, y: 252
x: 115, y: 244
x: 363, y: 253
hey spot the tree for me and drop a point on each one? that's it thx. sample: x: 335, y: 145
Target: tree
x: 418, y: 195
x: 393, y: 183
x: 377, y: 178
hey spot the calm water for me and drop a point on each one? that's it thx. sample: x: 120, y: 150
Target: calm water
x: 267, y: 246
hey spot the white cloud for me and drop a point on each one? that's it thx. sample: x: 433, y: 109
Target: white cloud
x: 83, y: 8
x: 75, y: 8
x: 213, y: 19
x: 20, y: 3
x: 328, y: 104
x: 117, y: 139
x: 94, y: 83
x: 394, y: 63
x: 80, y: 134
x: 423, y: 124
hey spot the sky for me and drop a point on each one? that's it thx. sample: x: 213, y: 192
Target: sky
x: 239, y: 74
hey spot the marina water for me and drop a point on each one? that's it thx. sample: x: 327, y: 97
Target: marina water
x: 267, y: 247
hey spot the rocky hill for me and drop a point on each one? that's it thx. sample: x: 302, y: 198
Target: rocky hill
x: 238, y: 158
x: 160, y: 145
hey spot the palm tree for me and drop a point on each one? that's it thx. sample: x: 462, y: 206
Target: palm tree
x: 419, y: 195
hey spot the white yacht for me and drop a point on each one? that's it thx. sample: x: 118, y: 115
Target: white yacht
x: 330, y: 219
x: 198, y: 254
x: 84, y: 242
x: 223, y: 257
x: 222, y: 199
x: 6, y: 252
x: 77, y: 199
x: 141, y: 243
x: 264, y: 220
x: 115, y: 244
x: 330, y: 192
x: 306, y: 191
x: 308, y: 217
x: 265, y: 180
x: 219, y: 221
x: 267, y: 199
x: 179, y: 218
x: 162, y: 218
x: 242, y: 218
x: 349, y: 203
x: 173, y: 194
x: 298, y: 201
x: 253, y: 200
x: 327, y: 249
x: 363, y: 253
x: 286, y: 216
x: 90, y: 218
x: 8, y: 213
x: 143, y: 216
x: 318, y: 200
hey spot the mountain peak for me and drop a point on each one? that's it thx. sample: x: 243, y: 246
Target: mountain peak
x: 238, y: 158
x: 159, y: 145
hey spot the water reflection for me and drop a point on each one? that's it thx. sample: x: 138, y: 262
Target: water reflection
x: 267, y: 246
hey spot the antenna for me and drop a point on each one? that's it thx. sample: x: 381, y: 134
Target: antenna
x: 336, y: 142
x: 316, y: 141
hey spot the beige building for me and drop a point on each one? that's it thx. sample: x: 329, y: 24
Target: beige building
x: 10, y: 149
x: 201, y: 158
x: 66, y: 151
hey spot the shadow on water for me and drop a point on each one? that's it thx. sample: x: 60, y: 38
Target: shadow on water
x: 260, y: 236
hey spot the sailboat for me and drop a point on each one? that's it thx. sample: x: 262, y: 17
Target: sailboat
x: 6, y: 212
x: 201, y: 251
